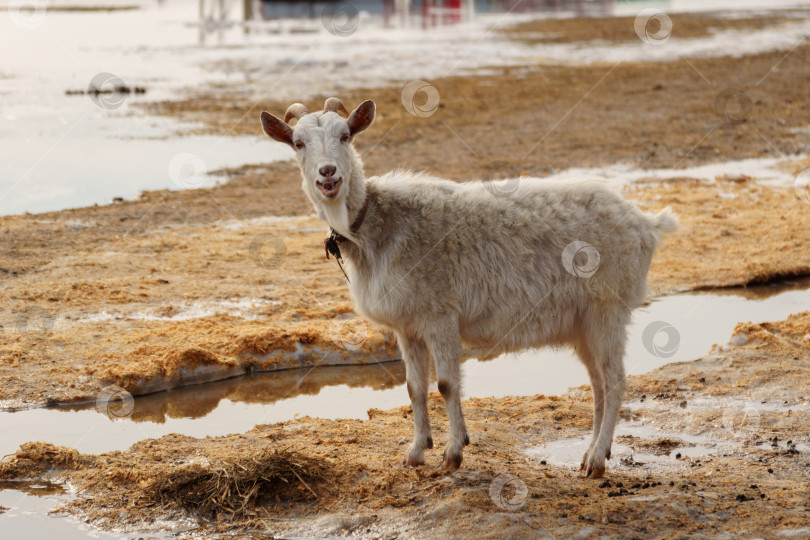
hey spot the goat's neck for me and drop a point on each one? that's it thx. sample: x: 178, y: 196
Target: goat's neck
x: 341, y: 216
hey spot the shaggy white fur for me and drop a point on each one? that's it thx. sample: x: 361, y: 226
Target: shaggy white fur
x: 449, y: 265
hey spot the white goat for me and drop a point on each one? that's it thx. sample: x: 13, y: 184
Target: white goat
x: 447, y: 264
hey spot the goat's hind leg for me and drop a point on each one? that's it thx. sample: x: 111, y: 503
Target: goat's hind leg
x: 609, y: 356
x: 598, y: 391
x: 417, y: 371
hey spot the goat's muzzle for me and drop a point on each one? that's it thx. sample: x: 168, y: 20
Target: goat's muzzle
x: 330, y: 186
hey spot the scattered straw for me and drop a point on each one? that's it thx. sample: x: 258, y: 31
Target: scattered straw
x: 237, y: 487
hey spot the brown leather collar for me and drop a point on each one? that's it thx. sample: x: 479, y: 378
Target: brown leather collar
x: 361, y: 215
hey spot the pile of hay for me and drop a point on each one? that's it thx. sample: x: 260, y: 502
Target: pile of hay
x: 35, y: 459
x: 238, y: 487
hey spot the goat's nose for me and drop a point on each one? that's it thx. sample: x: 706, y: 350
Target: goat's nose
x: 327, y: 171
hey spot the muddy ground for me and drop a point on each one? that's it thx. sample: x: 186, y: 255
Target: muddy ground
x: 746, y: 404
x: 179, y: 287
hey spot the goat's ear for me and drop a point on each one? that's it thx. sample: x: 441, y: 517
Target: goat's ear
x: 361, y: 117
x: 276, y: 129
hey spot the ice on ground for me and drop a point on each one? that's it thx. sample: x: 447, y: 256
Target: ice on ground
x: 770, y: 171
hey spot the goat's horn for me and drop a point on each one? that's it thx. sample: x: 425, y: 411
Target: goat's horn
x: 333, y: 104
x: 296, y: 110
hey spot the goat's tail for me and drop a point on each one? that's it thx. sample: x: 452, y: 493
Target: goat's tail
x: 664, y: 222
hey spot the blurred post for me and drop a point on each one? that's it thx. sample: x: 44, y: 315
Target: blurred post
x: 247, y: 14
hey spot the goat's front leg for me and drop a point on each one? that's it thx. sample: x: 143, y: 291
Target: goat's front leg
x: 417, y: 371
x: 446, y: 352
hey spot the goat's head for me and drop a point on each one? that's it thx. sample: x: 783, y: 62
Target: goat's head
x: 323, y: 145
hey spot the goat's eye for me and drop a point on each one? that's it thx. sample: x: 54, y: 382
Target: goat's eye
x: 299, y: 144
x: 344, y: 138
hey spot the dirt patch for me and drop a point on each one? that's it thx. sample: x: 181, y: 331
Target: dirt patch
x: 536, y: 120
x: 365, y: 493
x: 661, y: 445
x: 618, y: 29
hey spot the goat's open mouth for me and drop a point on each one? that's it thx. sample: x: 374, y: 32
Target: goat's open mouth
x: 329, y: 187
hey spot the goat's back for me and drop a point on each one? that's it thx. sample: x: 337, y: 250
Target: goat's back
x: 528, y: 262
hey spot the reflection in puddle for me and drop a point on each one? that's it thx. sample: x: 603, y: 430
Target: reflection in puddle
x: 231, y: 406
x: 261, y: 388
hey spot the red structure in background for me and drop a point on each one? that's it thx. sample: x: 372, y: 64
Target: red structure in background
x: 438, y: 12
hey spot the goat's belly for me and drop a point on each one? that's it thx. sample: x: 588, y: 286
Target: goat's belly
x: 502, y: 335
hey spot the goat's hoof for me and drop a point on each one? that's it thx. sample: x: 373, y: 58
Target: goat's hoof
x: 451, y: 462
x: 592, y: 467
x: 409, y: 461
x: 429, y: 443
x: 596, y: 472
x: 414, y: 457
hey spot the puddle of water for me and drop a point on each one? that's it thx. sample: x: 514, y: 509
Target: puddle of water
x: 81, y: 171
x: 230, y: 406
x: 688, y: 325
x: 28, y: 516
x: 769, y: 171
x: 568, y: 452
